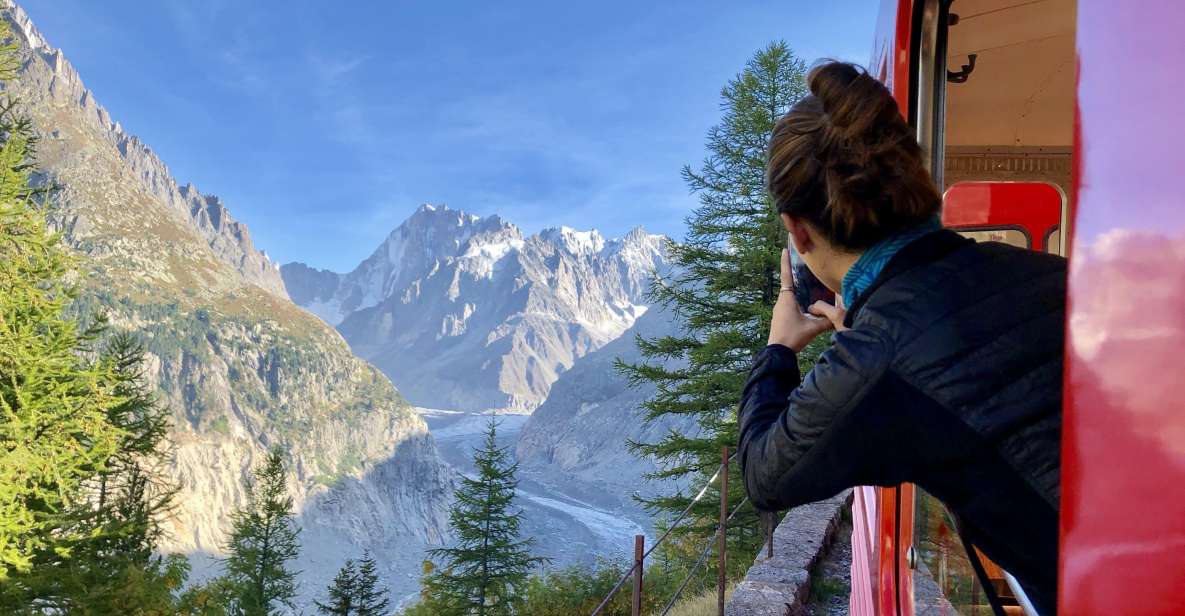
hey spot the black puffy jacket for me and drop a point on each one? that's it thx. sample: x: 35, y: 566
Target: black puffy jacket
x: 950, y: 378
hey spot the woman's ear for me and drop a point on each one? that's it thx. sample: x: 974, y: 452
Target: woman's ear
x: 800, y: 236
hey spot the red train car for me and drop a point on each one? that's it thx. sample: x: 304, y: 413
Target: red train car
x: 1057, y: 125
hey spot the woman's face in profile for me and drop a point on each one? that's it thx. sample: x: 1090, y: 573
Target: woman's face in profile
x: 807, y: 257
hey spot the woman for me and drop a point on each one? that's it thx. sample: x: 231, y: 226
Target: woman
x: 945, y: 370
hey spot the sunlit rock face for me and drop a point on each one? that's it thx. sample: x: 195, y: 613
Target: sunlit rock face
x: 239, y: 365
x: 581, y: 431
x: 469, y: 313
x: 87, y: 139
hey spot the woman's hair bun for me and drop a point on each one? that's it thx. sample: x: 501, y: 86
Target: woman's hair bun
x: 845, y: 159
x: 852, y: 99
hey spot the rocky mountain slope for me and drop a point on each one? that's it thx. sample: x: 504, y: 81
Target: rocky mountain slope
x: 241, y: 367
x: 580, y: 432
x: 468, y: 313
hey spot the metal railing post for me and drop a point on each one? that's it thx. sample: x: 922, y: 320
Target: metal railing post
x: 723, y: 539
x: 639, y: 552
x: 771, y: 520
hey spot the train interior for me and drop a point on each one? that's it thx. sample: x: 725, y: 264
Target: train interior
x: 1007, y: 127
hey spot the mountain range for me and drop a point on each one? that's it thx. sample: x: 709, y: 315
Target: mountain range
x: 469, y: 313
x: 457, y: 311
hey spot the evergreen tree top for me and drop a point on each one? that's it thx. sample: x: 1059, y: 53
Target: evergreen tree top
x: 487, y: 567
x: 263, y: 542
x: 721, y: 291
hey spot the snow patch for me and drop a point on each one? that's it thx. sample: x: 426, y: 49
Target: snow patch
x: 481, y: 259
x: 621, y: 317
x: 573, y: 241
x: 454, y: 324
x: 582, y: 242
x: 329, y: 310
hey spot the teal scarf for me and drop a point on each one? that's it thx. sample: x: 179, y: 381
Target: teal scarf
x: 869, y: 265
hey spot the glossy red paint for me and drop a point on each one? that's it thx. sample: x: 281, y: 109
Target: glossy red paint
x: 890, y: 60
x: 1035, y: 207
x: 1123, y: 456
x: 864, y: 534
x: 895, y: 525
x: 875, y: 572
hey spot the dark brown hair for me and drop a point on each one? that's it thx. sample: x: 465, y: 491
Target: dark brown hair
x: 844, y: 159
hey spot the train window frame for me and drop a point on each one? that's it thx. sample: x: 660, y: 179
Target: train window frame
x: 1046, y: 234
x: 929, y: 115
x: 1046, y: 244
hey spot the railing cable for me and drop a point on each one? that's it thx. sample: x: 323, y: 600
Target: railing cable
x: 702, y: 556
x: 686, y: 510
x: 616, y: 587
x: 670, y: 529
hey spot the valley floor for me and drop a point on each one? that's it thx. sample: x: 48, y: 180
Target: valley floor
x: 571, y: 522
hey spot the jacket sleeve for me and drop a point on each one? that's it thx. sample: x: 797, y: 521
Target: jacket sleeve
x: 789, y: 451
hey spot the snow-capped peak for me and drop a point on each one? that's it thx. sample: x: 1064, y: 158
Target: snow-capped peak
x: 573, y: 241
x: 428, y: 214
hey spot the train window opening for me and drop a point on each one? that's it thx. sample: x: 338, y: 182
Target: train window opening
x: 1053, y: 241
x: 1011, y: 116
x: 1009, y: 111
x: 1023, y: 214
x: 1005, y: 126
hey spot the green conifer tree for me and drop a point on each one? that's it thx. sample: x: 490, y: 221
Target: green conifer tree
x: 80, y: 500
x: 214, y: 598
x: 262, y: 544
x: 722, y: 292
x: 342, y: 592
x: 116, y: 571
x: 487, y: 568
x: 53, y: 422
x: 371, y: 599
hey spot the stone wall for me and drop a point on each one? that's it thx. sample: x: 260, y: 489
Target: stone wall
x: 780, y: 586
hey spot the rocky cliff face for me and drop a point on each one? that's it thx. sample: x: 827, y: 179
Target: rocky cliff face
x: 469, y: 313
x: 50, y: 77
x: 580, y: 432
x: 241, y: 367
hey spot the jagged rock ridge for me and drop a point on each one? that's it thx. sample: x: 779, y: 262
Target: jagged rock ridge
x: 469, y: 313
x: 239, y: 365
x: 227, y: 238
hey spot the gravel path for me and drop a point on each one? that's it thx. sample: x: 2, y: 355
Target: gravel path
x: 831, y: 576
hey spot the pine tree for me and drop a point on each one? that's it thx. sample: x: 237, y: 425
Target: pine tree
x: 355, y: 591
x: 722, y: 292
x: 342, y: 592
x: 53, y: 422
x: 483, y: 573
x: 369, y: 597
x: 80, y: 498
x: 214, y: 598
x: 116, y: 568
x: 263, y: 541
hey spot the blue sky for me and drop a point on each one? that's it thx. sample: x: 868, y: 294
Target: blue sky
x: 324, y: 124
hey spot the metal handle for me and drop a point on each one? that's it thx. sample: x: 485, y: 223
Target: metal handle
x: 1020, y: 595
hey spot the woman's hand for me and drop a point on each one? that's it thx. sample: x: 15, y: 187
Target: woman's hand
x: 789, y: 326
x: 835, y: 314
